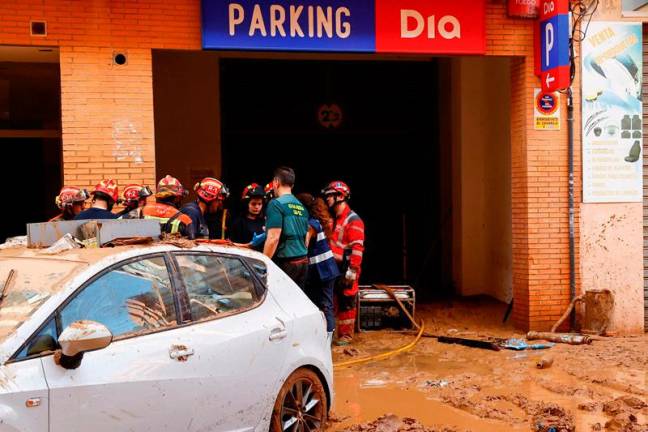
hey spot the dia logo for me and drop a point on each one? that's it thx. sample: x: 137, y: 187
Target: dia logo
x: 413, y: 24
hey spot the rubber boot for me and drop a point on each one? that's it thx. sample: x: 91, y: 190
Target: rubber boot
x: 329, y: 337
x: 635, y: 151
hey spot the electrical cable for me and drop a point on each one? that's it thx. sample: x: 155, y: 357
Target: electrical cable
x: 384, y: 355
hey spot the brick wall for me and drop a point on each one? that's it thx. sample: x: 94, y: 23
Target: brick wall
x: 107, y: 120
x: 107, y: 110
x: 539, y: 183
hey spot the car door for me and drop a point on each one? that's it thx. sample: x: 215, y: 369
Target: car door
x: 23, y: 396
x: 136, y: 383
x: 239, y: 342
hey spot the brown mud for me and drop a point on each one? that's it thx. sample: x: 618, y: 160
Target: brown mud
x: 440, y: 387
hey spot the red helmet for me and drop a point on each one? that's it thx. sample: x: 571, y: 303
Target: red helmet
x: 135, y: 192
x: 337, y: 187
x: 107, y: 188
x: 269, y: 191
x: 170, y: 186
x: 253, y: 190
x: 70, y: 195
x: 210, y: 189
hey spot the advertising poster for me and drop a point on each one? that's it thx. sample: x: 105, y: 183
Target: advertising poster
x: 546, y: 112
x: 612, y: 113
x: 634, y: 8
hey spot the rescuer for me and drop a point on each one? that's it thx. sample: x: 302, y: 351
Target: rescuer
x: 211, y: 194
x: 104, y: 197
x: 133, y: 199
x: 168, y: 197
x: 252, y: 221
x: 347, y: 244
x: 70, y: 201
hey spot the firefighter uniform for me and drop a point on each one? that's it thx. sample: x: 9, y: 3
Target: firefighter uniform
x: 347, y: 245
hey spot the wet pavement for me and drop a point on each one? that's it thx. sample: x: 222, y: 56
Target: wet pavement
x: 603, y: 386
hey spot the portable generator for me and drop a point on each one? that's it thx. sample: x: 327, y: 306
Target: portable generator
x: 377, y: 310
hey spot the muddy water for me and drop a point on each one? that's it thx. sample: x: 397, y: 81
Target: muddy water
x: 477, y: 390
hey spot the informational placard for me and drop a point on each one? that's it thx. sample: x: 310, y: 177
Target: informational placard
x: 546, y: 112
x: 403, y: 26
x: 612, y: 113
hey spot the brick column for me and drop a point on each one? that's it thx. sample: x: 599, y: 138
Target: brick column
x: 107, y: 117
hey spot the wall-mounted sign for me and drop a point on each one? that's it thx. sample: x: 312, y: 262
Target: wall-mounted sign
x: 612, y: 113
x: 634, y: 8
x: 423, y: 26
x: 523, y: 8
x: 329, y: 116
x: 404, y: 26
x: 553, y: 40
x: 546, y: 112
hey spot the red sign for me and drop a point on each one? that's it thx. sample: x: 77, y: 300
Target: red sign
x: 431, y: 27
x: 523, y: 8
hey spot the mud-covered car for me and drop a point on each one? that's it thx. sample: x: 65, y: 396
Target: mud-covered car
x: 158, y: 338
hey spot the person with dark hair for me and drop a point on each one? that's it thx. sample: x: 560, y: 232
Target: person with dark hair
x: 252, y: 222
x: 104, y: 197
x: 347, y: 244
x: 322, y: 268
x: 286, y: 228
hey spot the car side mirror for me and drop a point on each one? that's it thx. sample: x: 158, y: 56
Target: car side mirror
x: 80, y: 337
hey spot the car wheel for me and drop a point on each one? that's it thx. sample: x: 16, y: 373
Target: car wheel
x: 301, y: 405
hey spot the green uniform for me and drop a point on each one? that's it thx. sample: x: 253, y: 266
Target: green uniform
x: 287, y: 213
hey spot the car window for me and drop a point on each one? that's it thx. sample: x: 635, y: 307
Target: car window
x: 216, y: 285
x: 45, y: 340
x: 134, y: 298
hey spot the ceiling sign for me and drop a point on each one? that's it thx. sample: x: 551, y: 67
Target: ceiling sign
x: 405, y: 26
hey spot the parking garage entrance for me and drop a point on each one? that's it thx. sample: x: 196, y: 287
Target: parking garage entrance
x: 423, y: 143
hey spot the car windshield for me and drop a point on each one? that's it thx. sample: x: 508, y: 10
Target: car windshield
x: 26, y: 283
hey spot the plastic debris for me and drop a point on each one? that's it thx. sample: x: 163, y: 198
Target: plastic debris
x: 63, y: 244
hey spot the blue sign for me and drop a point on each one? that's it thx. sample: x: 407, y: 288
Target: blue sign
x: 554, y: 42
x: 554, y: 35
x: 307, y: 25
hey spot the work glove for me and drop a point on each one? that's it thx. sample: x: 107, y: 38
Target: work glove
x: 258, y: 239
x: 349, y: 278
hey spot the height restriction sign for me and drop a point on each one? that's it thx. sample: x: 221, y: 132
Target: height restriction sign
x: 553, y: 40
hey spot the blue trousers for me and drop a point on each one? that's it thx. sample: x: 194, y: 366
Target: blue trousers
x: 321, y: 293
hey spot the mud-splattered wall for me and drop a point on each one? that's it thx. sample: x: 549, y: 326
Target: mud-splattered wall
x: 612, y: 258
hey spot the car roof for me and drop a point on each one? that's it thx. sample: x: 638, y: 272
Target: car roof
x: 93, y: 255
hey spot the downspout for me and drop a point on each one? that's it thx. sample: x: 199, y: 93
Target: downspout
x: 572, y: 243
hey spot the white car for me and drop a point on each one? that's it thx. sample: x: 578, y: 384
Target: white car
x: 158, y: 338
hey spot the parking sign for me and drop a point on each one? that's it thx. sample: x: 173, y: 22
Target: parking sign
x: 553, y: 38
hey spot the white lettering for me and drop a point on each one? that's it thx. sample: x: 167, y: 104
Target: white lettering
x: 342, y: 28
x: 455, y: 32
x: 311, y: 22
x: 549, y: 7
x: 236, y: 17
x: 257, y: 22
x: 295, y: 28
x: 448, y: 27
x: 406, y: 31
x: 277, y: 19
x: 325, y: 22
x: 549, y: 42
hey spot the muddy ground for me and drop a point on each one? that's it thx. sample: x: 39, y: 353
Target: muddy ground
x: 440, y: 387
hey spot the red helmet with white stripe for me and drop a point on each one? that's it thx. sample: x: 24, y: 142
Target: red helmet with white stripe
x: 70, y: 195
x: 107, y: 189
x: 135, y: 192
x: 339, y: 188
x: 210, y: 189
